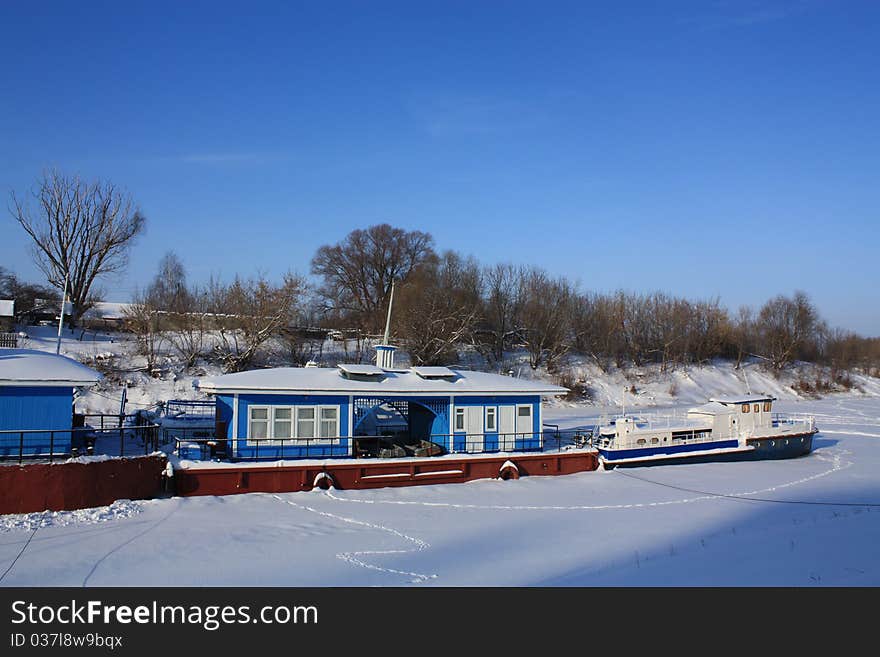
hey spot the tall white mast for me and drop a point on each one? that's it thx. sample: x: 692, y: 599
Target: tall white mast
x: 388, y: 320
x: 61, y: 316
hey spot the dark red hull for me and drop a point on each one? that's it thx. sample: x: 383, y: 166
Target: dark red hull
x: 363, y: 474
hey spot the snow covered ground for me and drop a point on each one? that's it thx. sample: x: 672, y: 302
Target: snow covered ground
x: 812, y: 521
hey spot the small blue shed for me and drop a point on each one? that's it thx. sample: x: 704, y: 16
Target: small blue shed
x: 357, y: 410
x: 36, y: 401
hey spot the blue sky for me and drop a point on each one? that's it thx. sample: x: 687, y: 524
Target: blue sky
x: 702, y: 148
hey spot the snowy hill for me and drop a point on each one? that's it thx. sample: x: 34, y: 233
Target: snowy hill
x: 115, y: 355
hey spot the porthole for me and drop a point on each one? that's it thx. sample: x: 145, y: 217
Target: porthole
x: 772, y: 443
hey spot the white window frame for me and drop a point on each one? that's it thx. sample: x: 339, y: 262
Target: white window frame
x: 459, y: 411
x: 494, y: 427
x: 290, y: 420
x: 268, y: 421
x: 271, y: 439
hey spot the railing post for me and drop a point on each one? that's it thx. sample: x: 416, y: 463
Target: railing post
x: 20, y: 446
x: 52, y: 444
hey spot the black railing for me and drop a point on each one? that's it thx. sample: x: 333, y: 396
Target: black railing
x: 190, y: 407
x: 51, y: 444
x: 189, y: 446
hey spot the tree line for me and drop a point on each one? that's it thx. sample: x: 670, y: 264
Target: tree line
x: 445, y: 302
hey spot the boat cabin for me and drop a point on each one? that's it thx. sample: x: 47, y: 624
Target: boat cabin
x: 366, y: 410
x: 730, y: 416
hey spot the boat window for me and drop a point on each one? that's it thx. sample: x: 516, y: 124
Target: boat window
x: 766, y: 407
x: 459, y: 419
x: 282, y: 417
x: 524, y: 411
x: 259, y: 422
x: 329, y: 421
x: 640, y: 441
x: 757, y: 408
x: 305, y: 422
x: 491, y: 422
x: 745, y: 408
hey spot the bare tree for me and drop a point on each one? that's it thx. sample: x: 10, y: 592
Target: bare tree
x: 438, y: 308
x: 144, y: 320
x: 168, y: 290
x: 545, y: 315
x: 79, y: 229
x: 358, y: 271
x: 785, y: 326
x: 502, y: 302
x: 253, y: 311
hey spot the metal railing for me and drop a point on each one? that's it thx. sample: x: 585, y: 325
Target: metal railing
x: 8, y: 340
x: 51, y: 444
x: 190, y: 407
x: 189, y: 446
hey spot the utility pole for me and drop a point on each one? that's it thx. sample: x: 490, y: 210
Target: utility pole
x: 61, y: 316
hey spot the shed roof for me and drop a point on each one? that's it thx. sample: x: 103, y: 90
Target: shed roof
x: 7, y: 307
x: 32, y: 368
x: 398, y: 382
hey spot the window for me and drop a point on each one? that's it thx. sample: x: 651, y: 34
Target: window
x: 757, y: 408
x: 282, y: 424
x: 329, y: 422
x: 305, y: 422
x: 259, y: 422
x: 459, y: 419
x: 766, y: 407
x: 491, y: 419
x: 745, y: 408
x: 524, y: 411
x: 292, y: 422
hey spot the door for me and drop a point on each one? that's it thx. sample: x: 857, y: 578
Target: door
x: 474, y: 428
x: 524, y: 427
x: 506, y: 428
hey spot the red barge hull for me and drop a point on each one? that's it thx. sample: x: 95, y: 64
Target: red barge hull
x: 229, y: 480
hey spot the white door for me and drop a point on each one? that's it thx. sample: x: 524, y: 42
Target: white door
x: 506, y: 428
x: 524, y: 427
x: 474, y: 415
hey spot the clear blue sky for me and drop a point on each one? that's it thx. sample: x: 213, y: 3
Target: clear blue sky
x: 701, y: 148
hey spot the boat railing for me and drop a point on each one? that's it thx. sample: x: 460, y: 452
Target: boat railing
x: 683, y: 437
x: 784, y: 419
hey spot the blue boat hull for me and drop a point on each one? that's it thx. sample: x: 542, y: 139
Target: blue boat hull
x: 785, y: 447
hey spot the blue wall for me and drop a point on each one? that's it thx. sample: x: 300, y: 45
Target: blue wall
x: 24, y: 408
x: 490, y: 440
x: 290, y: 448
x: 423, y: 422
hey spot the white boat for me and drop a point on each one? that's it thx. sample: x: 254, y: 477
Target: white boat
x: 724, y: 429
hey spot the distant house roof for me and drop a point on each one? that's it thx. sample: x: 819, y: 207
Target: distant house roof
x: 307, y: 380
x: 7, y: 308
x: 107, y: 310
x: 33, y: 368
x: 742, y: 399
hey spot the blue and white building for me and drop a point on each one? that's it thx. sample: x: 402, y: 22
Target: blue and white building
x: 36, y: 401
x: 319, y: 411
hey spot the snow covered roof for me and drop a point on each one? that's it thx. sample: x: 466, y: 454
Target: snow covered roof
x: 743, y: 399
x: 712, y: 408
x: 434, y: 372
x: 400, y: 382
x: 29, y: 367
x: 107, y: 310
x: 362, y: 370
x: 7, y: 307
